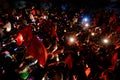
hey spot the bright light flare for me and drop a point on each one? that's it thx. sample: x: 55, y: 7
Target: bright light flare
x: 86, y: 25
x: 92, y: 34
x: 106, y: 41
x: 72, y: 39
x: 85, y: 19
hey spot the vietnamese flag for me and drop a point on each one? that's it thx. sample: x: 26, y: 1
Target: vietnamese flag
x: 34, y: 46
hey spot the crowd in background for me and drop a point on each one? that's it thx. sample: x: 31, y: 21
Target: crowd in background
x: 84, y: 41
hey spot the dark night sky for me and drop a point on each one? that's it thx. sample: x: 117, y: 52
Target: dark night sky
x: 89, y: 3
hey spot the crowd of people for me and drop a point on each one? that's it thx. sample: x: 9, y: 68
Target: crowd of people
x: 81, y: 43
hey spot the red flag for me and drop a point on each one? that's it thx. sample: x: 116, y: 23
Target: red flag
x: 34, y: 46
x: 113, y: 61
x: 68, y: 61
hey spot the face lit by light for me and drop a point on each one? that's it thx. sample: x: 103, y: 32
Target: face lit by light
x: 105, y: 41
x: 72, y: 39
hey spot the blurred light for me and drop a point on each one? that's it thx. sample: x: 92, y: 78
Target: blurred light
x: 3, y: 45
x: 21, y: 37
x: 33, y: 63
x: 15, y: 49
x: 92, y: 33
x: 85, y: 19
x: 72, y: 39
x: 44, y: 78
x: 65, y: 30
x: 44, y: 17
x: 57, y: 58
x: 105, y: 41
x: 17, y: 17
x: 86, y: 25
x: 78, y: 53
x: 86, y: 65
